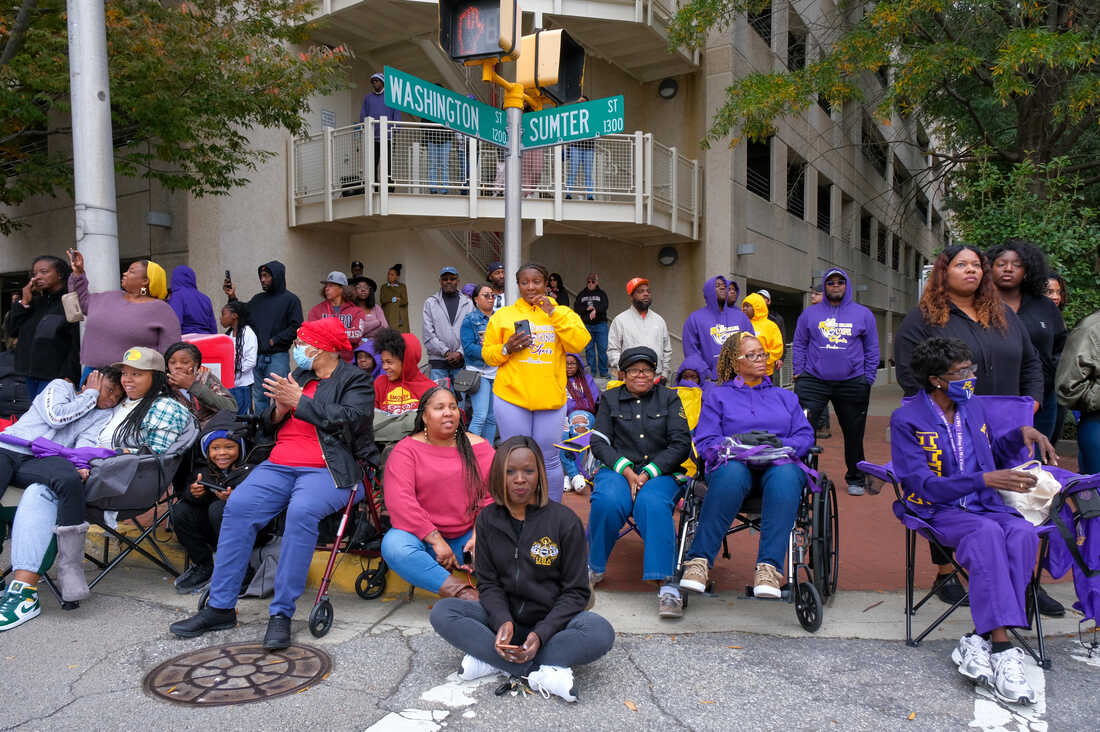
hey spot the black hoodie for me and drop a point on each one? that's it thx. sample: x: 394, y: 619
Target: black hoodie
x: 277, y: 313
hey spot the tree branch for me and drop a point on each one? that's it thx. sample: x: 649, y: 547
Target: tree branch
x: 977, y: 120
x: 18, y: 31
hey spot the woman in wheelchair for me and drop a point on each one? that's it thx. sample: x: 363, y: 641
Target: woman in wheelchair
x: 946, y: 450
x: 321, y: 417
x: 746, y: 408
x: 147, y: 417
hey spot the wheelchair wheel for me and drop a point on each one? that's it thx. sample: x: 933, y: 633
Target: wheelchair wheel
x: 808, y: 606
x: 371, y: 583
x: 825, y: 545
x: 320, y: 618
x: 204, y: 598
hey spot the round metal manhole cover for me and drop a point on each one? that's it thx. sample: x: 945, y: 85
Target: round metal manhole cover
x: 237, y: 673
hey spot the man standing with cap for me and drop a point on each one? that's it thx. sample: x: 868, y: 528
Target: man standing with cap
x: 640, y: 326
x: 496, y: 281
x: 356, y: 269
x: 641, y: 438
x: 443, y: 315
x: 374, y: 106
x: 591, y: 304
x: 335, y: 304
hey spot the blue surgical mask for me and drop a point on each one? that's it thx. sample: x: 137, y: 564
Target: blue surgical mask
x: 960, y: 390
x: 299, y: 353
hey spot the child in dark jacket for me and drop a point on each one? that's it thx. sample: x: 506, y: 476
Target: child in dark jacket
x: 533, y: 583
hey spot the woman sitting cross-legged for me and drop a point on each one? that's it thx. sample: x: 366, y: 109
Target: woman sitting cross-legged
x: 640, y: 439
x: 745, y: 401
x: 947, y: 449
x: 435, y: 488
x: 531, y: 619
x: 321, y: 416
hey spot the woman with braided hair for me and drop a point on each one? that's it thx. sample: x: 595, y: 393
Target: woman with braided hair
x: 237, y: 322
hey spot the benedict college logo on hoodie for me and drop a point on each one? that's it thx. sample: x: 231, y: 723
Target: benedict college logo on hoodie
x: 837, y: 334
x: 544, y: 551
x: 721, y: 332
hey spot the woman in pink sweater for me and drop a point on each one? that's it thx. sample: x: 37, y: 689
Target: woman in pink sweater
x: 432, y: 513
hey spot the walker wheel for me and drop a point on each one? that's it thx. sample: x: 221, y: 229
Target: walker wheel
x: 371, y: 583
x: 204, y: 598
x: 320, y: 618
x: 808, y: 606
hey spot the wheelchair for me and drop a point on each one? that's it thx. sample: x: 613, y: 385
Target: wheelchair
x: 812, y: 550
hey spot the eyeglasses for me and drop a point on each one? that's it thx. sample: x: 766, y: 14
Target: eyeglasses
x: 964, y: 373
x: 754, y: 356
x: 635, y: 373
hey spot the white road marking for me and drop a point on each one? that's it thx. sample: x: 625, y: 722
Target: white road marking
x: 410, y: 720
x: 993, y: 715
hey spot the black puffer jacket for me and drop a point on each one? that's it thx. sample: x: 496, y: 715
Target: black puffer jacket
x: 537, y: 579
x: 342, y: 410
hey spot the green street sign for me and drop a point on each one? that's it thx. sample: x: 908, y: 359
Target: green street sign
x: 572, y: 122
x: 433, y: 102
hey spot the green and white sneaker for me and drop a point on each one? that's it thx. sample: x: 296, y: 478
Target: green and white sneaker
x: 19, y: 605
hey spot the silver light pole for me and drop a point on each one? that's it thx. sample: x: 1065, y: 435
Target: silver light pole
x: 93, y: 151
x: 513, y: 200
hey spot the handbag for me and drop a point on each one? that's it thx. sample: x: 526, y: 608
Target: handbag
x: 70, y: 302
x: 467, y: 381
x: 1035, y: 504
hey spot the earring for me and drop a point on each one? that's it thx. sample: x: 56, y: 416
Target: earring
x: 144, y: 291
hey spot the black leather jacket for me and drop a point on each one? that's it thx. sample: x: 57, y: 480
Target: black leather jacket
x: 342, y: 410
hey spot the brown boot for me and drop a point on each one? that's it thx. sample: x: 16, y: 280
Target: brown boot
x: 454, y: 587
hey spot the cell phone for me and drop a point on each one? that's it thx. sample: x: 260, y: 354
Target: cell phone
x: 523, y: 326
x: 510, y: 647
x: 227, y: 277
x: 467, y: 558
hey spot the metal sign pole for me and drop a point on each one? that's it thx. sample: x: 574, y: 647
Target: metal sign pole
x: 513, y: 201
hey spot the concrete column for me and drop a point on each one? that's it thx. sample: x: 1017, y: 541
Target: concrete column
x: 836, y: 206
x: 780, y: 25
x: 720, y: 171
x: 809, y: 181
x: 779, y: 172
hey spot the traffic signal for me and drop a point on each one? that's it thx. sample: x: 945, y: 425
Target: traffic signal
x: 552, y: 62
x: 478, y: 29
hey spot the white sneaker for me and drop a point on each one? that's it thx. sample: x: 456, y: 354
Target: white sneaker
x: 556, y: 680
x: 972, y: 658
x: 474, y: 668
x: 1009, y: 682
x: 567, y: 487
x: 579, y: 483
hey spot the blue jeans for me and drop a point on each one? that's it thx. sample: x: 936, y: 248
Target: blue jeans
x: 308, y: 495
x: 581, y: 157
x: 597, y: 348
x: 439, y: 162
x: 438, y: 375
x: 727, y: 488
x: 652, y: 510
x: 35, y: 386
x: 482, y: 422
x: 243, y: 395
x: 1088, y: 443
x: 415, y: 562
x: 267, y: 363
x: 568, y: 460
x: 1047, y: 415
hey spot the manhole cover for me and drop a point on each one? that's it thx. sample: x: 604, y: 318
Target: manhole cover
x: 237, y: 673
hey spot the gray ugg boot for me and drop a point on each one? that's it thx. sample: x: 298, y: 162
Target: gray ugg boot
x: 70, y: 561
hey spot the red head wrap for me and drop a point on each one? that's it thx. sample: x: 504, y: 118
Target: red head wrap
x: 328, y: 334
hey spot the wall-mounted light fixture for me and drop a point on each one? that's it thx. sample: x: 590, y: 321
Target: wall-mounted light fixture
x: 667, y: 256
x: 667, y: 88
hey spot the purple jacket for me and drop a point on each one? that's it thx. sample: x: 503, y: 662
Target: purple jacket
x: 192, y: 307
x: 732, y: 408
x: 706, y: 329
x: 696, y: 364
x: 374, y: 105
x: 836, y: 342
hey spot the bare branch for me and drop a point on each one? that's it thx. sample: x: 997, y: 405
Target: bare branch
x: 18, y: 31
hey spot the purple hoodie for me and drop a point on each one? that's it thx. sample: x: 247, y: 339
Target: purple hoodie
x: 194, y: 310
x: 696, y: 364
x: 836, y: 342
x: 706, y: 329
x: 732, y: 408
x: 367, y: 346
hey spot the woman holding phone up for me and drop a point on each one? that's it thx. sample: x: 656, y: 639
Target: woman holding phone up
x: 528, y: 342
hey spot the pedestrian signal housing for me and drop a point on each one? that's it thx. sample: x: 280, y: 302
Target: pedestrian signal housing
x: 552, y: 62
x: 479, y: 29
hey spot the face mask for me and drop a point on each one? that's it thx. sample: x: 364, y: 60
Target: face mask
x: 961, y: 390
x: 304, y: 362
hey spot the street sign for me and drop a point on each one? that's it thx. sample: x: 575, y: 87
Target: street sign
x: 572, y: 122
x: 432, y: 102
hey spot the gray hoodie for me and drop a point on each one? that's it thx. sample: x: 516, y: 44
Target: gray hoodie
x: 60, y: 414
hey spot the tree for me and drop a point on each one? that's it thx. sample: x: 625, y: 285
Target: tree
x: 1005, y: 80
x: 189, y: 80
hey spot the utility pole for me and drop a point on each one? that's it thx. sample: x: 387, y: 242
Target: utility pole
x: 513, y: 193
x: 93, y: 149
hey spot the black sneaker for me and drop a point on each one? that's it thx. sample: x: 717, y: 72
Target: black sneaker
x: 194, y: 579
x: 277, y: 636
x: 206, y: 620
x: 1050, y: 607
x: 950, y: 590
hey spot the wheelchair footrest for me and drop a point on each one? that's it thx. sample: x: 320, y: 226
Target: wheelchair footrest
x: 784, y: 594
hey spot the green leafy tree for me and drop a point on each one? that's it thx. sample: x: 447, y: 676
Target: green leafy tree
x: 189, y: 81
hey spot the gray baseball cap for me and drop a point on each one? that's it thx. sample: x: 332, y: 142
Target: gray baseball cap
x: 336, y: 278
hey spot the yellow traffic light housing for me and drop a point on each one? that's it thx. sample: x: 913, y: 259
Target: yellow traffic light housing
x: 479, y: 29
x: 553, y: 63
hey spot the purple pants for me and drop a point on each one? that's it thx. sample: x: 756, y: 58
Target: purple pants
x: 998, y: 550
x: 544, y: 427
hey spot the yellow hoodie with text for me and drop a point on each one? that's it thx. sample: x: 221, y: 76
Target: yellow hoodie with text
x: 766, y: 330
x: 533, y: 378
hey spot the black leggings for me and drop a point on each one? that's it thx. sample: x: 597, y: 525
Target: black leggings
x: 57, y: 473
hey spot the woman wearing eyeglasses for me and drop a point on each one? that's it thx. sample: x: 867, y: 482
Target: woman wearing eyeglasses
x: 746, y: 401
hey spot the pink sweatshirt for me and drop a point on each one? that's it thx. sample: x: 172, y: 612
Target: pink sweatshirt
x: 424, y: 488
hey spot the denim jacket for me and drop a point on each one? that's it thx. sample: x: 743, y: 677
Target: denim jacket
x: 473, y: 335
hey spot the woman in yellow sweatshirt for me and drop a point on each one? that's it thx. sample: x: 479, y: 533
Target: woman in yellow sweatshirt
x: 529, y: 390
x: 756, y: 310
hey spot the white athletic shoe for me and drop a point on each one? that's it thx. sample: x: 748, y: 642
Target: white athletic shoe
x: 474, y: 668
x: 556, y: 680
x: 972, y: 658
x: 566, y: 487
x: 1009, y: 682
x: 578, y: 483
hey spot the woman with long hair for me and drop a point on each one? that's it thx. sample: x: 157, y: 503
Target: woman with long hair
x: 1056, y: 290
x: 530, y: 619
x: 237, y: 322
x: 473, y: 337
x: 527, y: 342
x: 555, y: 288
x: 432, y: 513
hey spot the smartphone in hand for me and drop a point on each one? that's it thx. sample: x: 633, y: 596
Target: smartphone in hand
x: 523, y: 326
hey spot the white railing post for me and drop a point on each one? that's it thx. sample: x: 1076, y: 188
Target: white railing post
x: 473, y: 173
x: 291, y: 182
x: 559, y: 174
x: 327, y: 166
x: 367, y: 151
x: 638, y: 12
x: 673, y: 174
x: 414, y: 169
x: 384, y: 167
x: 695, y: 199
x: 641, y: 175
x: 326, y: 7
x: 648, y: 177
